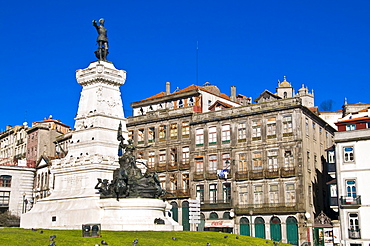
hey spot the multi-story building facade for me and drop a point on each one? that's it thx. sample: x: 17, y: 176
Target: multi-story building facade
x: 352, y: 143
x: 24, y: 175
x: 252, y: 166
x: 13, y: 144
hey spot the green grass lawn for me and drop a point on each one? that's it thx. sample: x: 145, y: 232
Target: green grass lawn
x: 27, y: 237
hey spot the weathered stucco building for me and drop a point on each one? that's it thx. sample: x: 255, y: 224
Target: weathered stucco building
x: 252, y: 166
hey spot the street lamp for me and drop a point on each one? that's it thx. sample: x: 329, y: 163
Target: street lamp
x: 23, y: 204
x: 251, y: 213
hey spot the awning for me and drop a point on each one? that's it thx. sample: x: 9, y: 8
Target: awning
x: 219, y: 223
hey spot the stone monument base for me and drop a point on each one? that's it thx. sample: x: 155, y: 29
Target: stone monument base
x: 127, y: 214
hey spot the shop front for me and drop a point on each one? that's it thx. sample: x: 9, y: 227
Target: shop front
x: 216, y: 225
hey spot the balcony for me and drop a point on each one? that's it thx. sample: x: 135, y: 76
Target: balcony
x: 172, y: 166
x: 350, y: 202
x: 354, y: 233
x: 286, y: 172
x: 161, y: 168
x: 184, y: 165
x: 211, y: 175
x: 272, y: 173
x: 198, y: 176
x: 216, y: 204
x: 241, y: 175
x: 183, y: 193
x: 256, y: 174
x: 266, y: 208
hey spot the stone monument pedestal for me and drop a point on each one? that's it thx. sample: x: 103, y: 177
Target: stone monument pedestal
x: 128, y: 214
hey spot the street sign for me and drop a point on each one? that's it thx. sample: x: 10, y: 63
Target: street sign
x: 194, y: 211
x: 194, y: 201
x: 194, y: 221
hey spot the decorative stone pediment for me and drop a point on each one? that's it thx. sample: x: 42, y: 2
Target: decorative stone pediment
x: 322, y: 220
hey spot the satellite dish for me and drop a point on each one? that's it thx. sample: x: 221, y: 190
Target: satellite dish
x: 307, y: 215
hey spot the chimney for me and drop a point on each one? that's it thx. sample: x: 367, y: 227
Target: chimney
x: 233, y: 94
x: 168, y: 88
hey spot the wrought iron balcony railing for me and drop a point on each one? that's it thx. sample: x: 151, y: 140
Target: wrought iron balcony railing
x: 354, y: 233
x: 350, y: 202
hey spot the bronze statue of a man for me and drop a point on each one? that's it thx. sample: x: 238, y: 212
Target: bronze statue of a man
x: 102, y: 40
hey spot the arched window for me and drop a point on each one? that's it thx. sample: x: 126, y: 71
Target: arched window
x: 213, y: 215
x: 175, y: 211
x: 259, y: 227
x: 292, y: 230
x: 275, y: 229
x: 226, y: 215
x: 244, y: 226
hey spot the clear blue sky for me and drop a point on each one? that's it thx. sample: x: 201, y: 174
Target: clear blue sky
x: 249, y: 44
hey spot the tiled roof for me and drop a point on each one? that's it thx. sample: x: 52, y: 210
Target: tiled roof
x: 354, y: 119
x: 189, y: 88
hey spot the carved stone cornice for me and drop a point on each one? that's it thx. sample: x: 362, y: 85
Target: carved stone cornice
x: 101, y: 72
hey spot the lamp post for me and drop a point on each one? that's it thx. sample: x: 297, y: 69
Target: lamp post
x: 251, y: 213
x: 23, y: 204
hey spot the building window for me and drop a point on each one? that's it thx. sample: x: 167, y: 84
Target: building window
x: 350, y: 127
x: 290, y: 194
x: 200, y: 192
x: 288, y: 159
x: 257, y: 161
x: 271, y: 127
x: 151, y: 134
x: 185, y: 181
x: 151, y: 159
x: 162, y: 157
x: 173, y: 131
x: 258, y: 195
x: 185, y: 129
x: 190, y: 101
x: 226, y: 161
x: 185, y: 155
x: 181, y: 103
x: 162, y: 132
x: 212, y: 162
x: 331, y: 156
x: 348, y: 154
x: 243, y: 194
x: 353, y: 226
x: 173, y: 181
x: 140, y: 136
x: 226, y: 133
x: 307, y: 127
x: 5, y: 181
x: 173, y: 156
x: 226, y: 191
x: 256, y: 129
x: 274, y: 193
x: 242, y: 166
x: 212, y: 135
x: 199, y: 137
x: 4, y: 198
x: 351, y: 188
x: 162, y: 180
x: 272, y: 156
x: 199, y: 165
x: 212, y: 193
x: 242, y: 132
x: 130, y: 135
